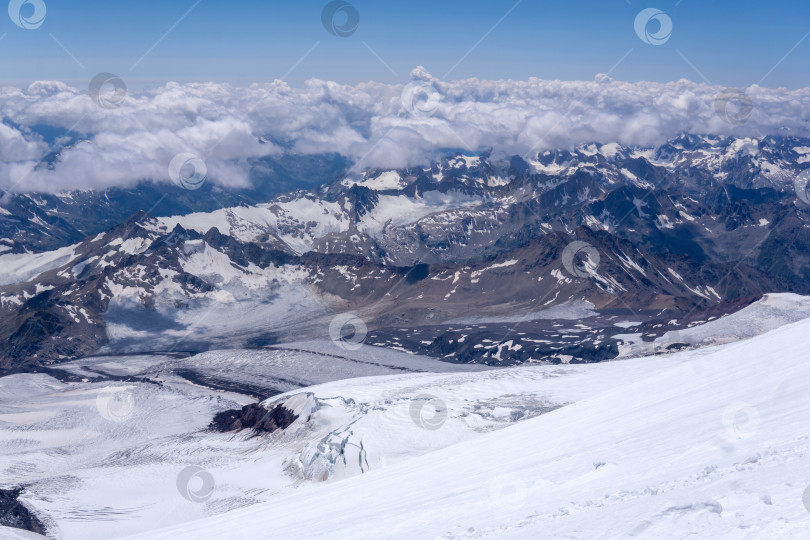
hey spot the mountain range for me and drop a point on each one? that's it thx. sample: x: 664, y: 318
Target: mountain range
x: 561, y: 257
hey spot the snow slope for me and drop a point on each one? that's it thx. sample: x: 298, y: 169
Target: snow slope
x: 101, y: 459
x: 768, y: 313
x: 21, y: 267
x: 711, y: 444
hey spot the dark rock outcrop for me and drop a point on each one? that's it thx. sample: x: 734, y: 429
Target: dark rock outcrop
x: 254, y: 416
x: 14, y: 514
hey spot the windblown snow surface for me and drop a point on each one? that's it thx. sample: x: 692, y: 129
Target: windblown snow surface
x: 705, y: 443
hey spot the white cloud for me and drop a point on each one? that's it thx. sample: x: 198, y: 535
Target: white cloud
x: 366, y: 122
x: 15, y: 147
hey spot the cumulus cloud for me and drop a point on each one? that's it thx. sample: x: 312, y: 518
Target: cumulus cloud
x: 15, y: 147
x: 229, y: 128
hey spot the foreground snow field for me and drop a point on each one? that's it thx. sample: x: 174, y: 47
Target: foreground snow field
x: 706, y: 443
x: 101, y: 459
x: 711, y: 444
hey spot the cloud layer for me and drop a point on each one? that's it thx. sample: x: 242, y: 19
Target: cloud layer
x: 375, y: 125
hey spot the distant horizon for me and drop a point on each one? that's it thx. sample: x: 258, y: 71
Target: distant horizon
x: 136, y: 83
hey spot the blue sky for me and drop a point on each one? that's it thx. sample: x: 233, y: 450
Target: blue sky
x: 729, y: 43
